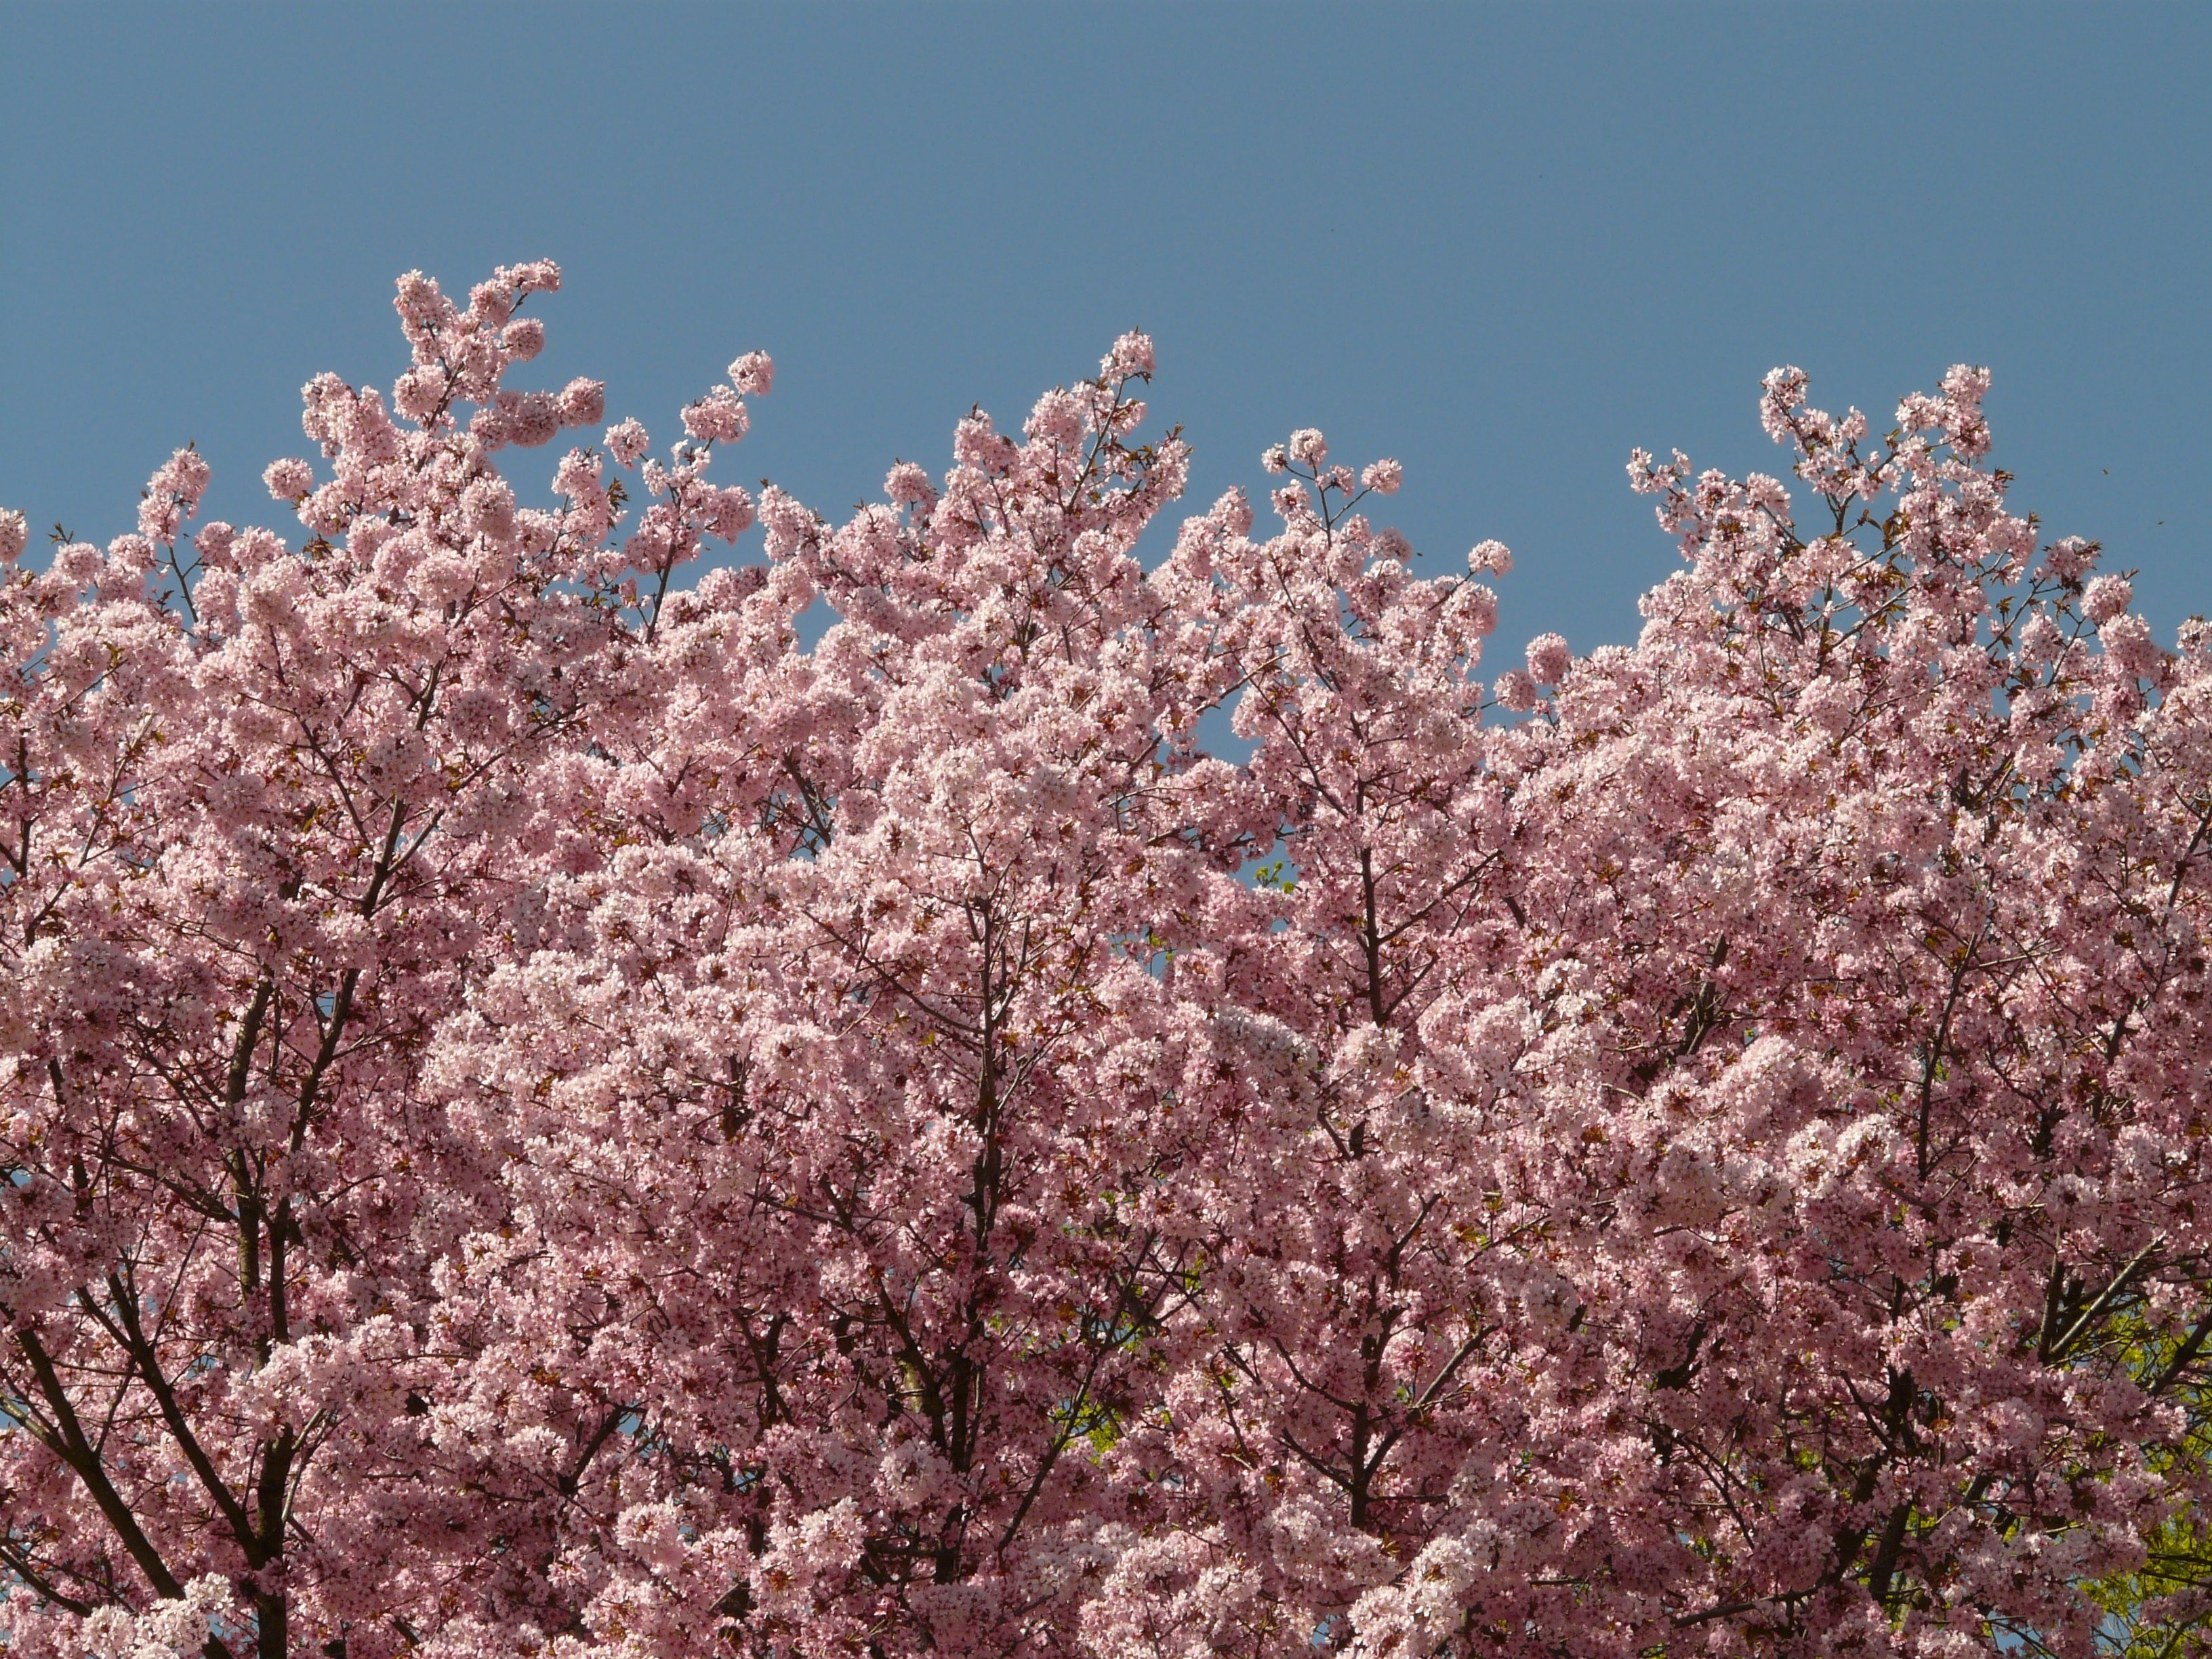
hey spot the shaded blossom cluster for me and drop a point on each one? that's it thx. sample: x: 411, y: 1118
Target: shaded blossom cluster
x: 544, y: 1116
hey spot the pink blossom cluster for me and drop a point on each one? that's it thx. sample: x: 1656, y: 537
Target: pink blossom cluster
x: 542, y: 1117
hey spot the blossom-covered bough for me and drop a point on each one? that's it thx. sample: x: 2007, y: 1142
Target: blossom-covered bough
x: 544, y: 1117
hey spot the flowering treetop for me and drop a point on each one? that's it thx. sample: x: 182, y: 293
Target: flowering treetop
x: 544, y: 1117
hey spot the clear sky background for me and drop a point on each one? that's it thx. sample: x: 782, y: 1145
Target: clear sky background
x: 1501, y: 244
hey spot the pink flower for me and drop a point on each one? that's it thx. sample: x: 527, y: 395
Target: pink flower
x: 977, y: 443
x: 731, y: 515
x: 424, y: 311
x: 288, y: 480
x: 2127, y: 642
x: 14, y: 534
x: 1383, y: 476
x: 718, y: 418
x: 529, y: 418
x: 418, y: 392
x: 754, y: 373
x: 1307, y: 447
x: 491, y: 303
x: 1130, y: 359
x: 538, y: 276
x: 1489, y: 558
x: 2106, y: 597
x: 1781, y: 392
x: 1548, y: 659
x: 77, y: 565
x: 487, y: 508
x: 1057, y: 419
x: 172, y: 495
x: 213, y: 544
x: 789, y: 525
x: 583, y: 403
x: 2071, y: 558
x: 626, y: 441
x: 908, y: 485
x: 1476, y: 608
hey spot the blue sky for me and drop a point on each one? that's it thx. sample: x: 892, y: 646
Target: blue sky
x: 1501, y: 244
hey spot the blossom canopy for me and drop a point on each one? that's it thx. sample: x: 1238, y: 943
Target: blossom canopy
x: 545, y: 1116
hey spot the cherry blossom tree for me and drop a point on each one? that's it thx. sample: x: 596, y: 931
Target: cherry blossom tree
x: 545, y: 1115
